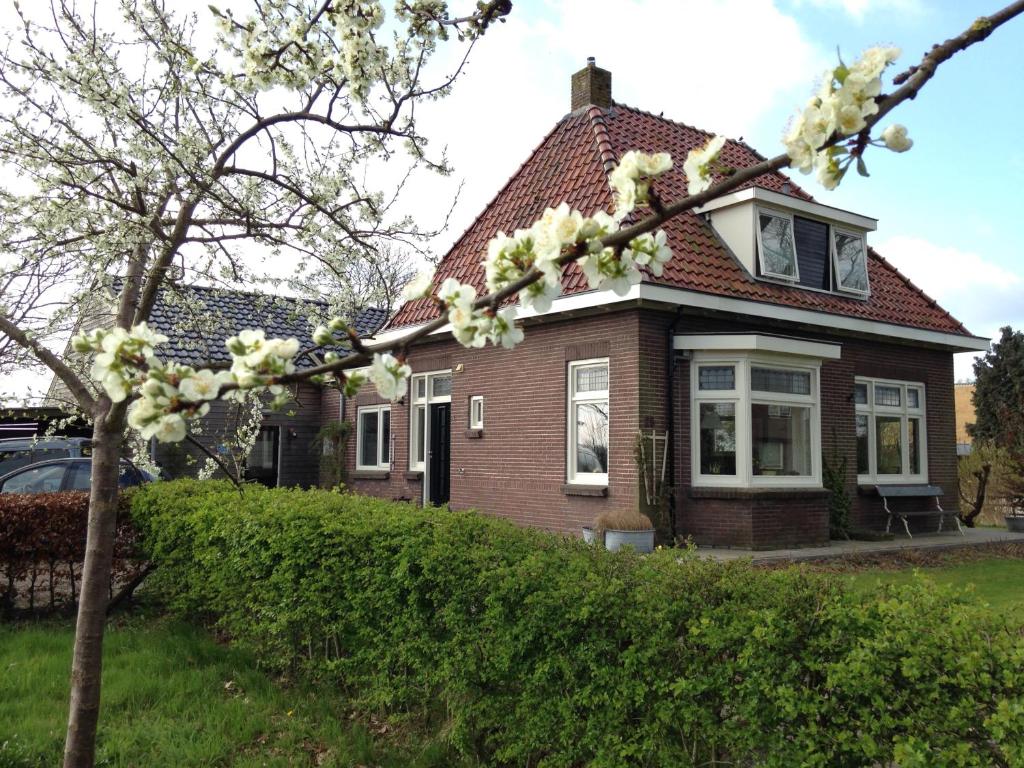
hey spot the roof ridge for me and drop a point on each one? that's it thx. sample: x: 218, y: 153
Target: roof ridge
x: 913, y: 286
x: 602, y: 138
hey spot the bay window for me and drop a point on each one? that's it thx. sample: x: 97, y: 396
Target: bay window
x: 588, y: 422
x: 890, y: 425
x: 755, y: 421
x: 373, y: 437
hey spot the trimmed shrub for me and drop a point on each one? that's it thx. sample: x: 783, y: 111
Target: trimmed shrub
x: 534, y: 650
x: 42, y: 546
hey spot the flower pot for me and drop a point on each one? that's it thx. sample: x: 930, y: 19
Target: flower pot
x: 641, y: 541
x: 1014, y: 523
x: 589, y: 535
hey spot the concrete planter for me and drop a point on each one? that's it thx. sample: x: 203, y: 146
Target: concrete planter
x: 641, y: 541
x: 1015, y: 523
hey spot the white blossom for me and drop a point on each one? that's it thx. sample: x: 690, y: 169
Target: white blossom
x: 389, y: 376
x: 896, y: 139
x: 419, y: 287
x: 698, y: 165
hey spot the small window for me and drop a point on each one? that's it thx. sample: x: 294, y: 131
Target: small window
x: 860, y: 394
x: 588, y: 422
x: 851, y: 263
x: 783, y: 382
x: 717, y: 377
x: 776, y: 247
x: 373, y: 438
x: 476, y: 412
x: 440, y: 385
x: 887, y: 396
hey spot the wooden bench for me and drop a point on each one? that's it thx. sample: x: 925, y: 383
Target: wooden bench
x: 917, y: 492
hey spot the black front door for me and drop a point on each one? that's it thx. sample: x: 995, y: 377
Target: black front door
x: 262, y: 465
x: 440, y: 454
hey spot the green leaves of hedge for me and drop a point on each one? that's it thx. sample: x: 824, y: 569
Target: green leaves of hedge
x: 528, y: 649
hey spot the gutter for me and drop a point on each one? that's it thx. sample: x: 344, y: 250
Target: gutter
x: 670, y: 418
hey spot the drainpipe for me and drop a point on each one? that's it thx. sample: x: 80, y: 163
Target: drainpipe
x: 670, y: 419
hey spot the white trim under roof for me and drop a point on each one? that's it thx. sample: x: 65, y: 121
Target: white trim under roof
x: 757, y: 342
x: 663, y: 294
x: 792, y: 203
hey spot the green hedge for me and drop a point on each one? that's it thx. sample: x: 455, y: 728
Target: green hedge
x: 533, y: 650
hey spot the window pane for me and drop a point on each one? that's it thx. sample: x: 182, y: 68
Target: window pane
x: 889, y: 396
x: 889, y: 450
x: 786, y: 382
x: 717, y: 377
x: 851, y: 262
x: 779, y: 256
x: 860, y: 394
x: 592, y: 437
x: 385, y: 437
x: 476, y: 412
x: 39, y: 480
x: 80, y: 478
x: 592, y: 378
x: 913, y: 398
x: 262, y: 454
x: 914, y: 445
x: 781, y: 439
x: 718, y: 438
x: 441, y: 386
x: 368, y: 437
x: 863, y: 467
x: 421, y: 387
x: 421, y: 420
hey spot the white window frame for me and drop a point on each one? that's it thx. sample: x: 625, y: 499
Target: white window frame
x: 744, y: 398
x: 379, y: 410
x: 424, y: 402
x: 758, y: 213
x: 573, y: 399
x: 476, y: 421
x: 833, y: 232
x: 905, y: 412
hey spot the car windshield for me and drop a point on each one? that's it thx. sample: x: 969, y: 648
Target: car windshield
x: 44, y: 479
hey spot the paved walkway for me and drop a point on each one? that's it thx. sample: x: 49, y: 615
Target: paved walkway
x: 972, y: 537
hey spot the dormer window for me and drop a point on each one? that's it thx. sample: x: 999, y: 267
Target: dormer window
x: 776, y: 245
x: 785, y: 239
x: 851, y: 263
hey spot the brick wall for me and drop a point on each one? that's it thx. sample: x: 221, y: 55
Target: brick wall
x: 765, y: 519
x: 517, y: 467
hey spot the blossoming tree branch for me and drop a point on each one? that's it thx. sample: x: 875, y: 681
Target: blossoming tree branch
x: 830, y: 135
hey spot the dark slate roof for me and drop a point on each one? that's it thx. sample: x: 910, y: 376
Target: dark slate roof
x: 571, y: 165
x: 199, y: 319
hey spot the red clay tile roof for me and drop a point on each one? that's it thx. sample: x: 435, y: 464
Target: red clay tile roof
x: 571, y: 165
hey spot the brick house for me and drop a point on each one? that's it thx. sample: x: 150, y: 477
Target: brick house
x: 775, y: 340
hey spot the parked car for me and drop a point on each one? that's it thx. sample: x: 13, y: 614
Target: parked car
x: 65, y: 475
x: 17, y: 452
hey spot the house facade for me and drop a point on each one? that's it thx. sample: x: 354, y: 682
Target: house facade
x: 776, y: 342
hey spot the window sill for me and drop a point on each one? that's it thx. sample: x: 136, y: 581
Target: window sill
x: 414, y: 474
x: 475, y: 434
x: 572, y: 489
x: 371, y: 474
x: 723, y: 492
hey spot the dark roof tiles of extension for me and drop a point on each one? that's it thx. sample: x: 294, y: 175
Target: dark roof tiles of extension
x: 199, y: 319
x: 571, y: 165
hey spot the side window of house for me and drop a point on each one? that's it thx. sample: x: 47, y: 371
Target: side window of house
x: 588, y: 422
x: 373, y: 437
x: 476, y: 412
x: 776, y: 246
x: 891, y: 430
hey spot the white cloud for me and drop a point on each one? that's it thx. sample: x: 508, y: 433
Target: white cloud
x: 858, y: 9
x: 980, y: 293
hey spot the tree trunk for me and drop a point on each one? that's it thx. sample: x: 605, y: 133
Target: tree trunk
x: 86, y: 667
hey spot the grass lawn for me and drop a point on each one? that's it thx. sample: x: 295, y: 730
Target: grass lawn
x: 173, y: 696
x: 999, y: 582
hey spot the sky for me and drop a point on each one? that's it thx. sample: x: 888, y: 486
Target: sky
x: 946, y: 210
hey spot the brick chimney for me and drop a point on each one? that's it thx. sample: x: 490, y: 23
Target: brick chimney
x: 591, y: 85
